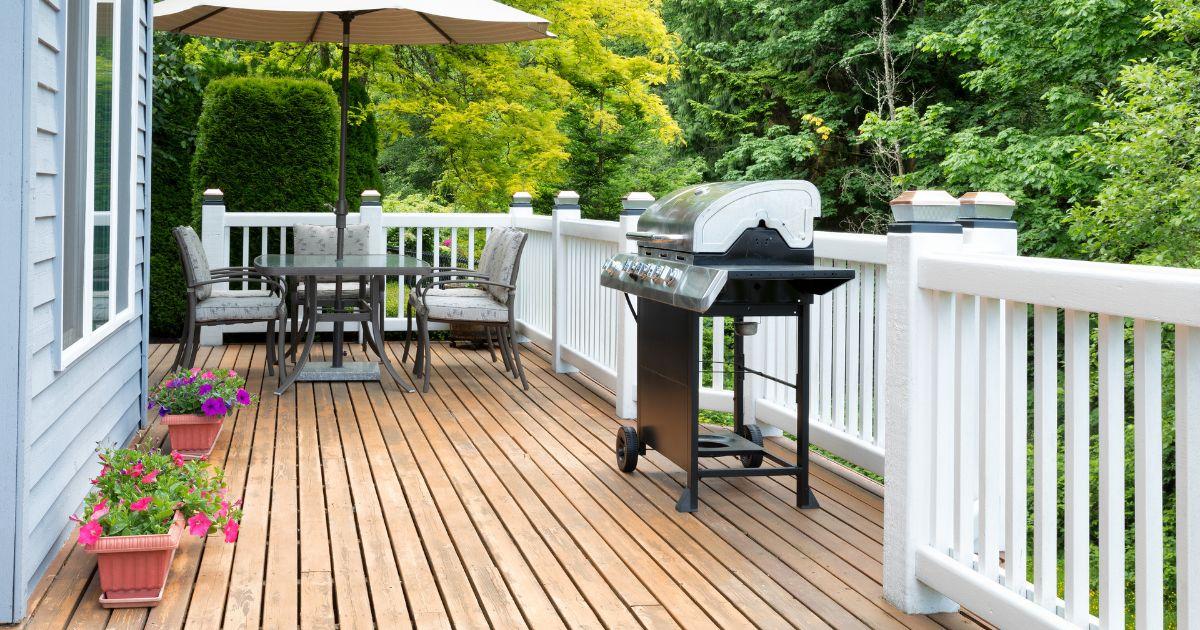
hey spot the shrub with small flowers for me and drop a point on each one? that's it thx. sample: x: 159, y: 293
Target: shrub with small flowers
x: 139, y: 491
x: 196, y: 391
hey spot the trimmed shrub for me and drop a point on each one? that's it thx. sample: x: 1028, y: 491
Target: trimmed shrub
x: 175, y: 116
x: 270, y: 144
x: 362, y: 167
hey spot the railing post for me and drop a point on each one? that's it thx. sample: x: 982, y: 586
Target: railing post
x: 988, y: 228
x: 632, y: 207
x: 923, y: 224
x: 371, y: 212
x: 212, y: 234
x: 566, y: 207
x: 521, y: 206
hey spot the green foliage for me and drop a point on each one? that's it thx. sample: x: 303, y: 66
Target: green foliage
x: 177, y: 100
x: 269, y: 144
x: 138, y: 492
x: 1148, y: 209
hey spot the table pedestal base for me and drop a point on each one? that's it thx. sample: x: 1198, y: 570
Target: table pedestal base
x: 323, y: 371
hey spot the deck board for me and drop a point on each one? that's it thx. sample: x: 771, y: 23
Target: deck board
x: 480, y: 504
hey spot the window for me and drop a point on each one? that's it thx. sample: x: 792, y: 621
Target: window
x: 97, y: 241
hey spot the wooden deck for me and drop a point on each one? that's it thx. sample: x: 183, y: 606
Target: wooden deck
x: 481, y: 505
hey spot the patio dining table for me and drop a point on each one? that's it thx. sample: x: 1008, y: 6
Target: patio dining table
x: 368, y: 311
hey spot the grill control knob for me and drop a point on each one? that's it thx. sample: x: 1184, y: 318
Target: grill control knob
x: 673, y: 277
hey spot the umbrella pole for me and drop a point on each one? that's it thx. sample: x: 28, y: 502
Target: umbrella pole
x: 339, y: 328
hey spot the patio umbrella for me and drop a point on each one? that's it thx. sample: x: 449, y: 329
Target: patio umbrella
x: 375, y: 22
x: 385, y: 22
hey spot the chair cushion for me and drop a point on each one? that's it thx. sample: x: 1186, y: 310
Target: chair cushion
x: 464, y: 308
x: 321, y: 240
x: 246, y: 293
x: 194, y: 257
x: 457, y: 291
x: 239, y: 308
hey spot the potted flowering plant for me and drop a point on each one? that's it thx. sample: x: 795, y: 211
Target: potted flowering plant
x: 193, y: 404
x: 133, y: 519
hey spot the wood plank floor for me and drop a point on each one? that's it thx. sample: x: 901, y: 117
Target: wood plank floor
x: 482, y: 505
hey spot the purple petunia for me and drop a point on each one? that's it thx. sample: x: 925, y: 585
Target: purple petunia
x: 243, y: 396
x: 204, y: 389
x: 214, y: 406
x: 162, y: 411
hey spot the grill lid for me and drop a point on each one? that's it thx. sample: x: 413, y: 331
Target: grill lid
x: 708, y: 218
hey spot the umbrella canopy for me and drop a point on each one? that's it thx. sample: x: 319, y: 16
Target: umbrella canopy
x: 375, y: 21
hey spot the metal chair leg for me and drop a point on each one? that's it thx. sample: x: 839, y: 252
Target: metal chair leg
x: 294, y: 305
x: 184, y: 340
x: 505, y: 352
x: 427, y: 352
x: 419, y: 353
x: 408, y: 318
x: 487, y: 333
x: 516, y: 350
x: 271, y: 348
x: 193, y: 345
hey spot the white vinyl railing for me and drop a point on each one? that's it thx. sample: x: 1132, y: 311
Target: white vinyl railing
x: 997, y: 344
x: 939, y: 365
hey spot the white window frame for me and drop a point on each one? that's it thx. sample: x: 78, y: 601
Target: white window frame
x: 121, y: 149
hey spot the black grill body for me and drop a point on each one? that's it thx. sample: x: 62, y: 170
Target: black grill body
x: 764, y: 277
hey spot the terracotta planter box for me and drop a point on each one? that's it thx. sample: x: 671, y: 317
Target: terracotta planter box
x: 133, y: 569
x: 193, y: 435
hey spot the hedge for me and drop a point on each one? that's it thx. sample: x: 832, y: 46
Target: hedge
x: 270, y: 144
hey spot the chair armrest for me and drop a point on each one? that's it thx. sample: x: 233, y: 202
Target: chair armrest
x: 250, y: 276
x: 421, y: 291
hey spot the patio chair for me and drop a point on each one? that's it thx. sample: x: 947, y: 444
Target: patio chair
x: 321, y: 240
x: 439, y: 297
x: 210, y: 306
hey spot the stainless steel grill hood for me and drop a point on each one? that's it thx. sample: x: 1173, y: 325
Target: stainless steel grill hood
x: 708, y: 218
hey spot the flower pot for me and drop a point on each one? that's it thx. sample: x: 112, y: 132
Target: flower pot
x: 193, y: 435
x: 133, y: 569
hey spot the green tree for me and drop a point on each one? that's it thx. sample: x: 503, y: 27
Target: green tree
x: 1148, y: 209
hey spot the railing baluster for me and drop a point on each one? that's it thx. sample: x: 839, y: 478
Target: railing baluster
x: 827, y: 367
x: 867, y: 358
x: 839, y: 358
x: 853, y: 355
x: 453, y: 247
x: 942, y: 334
x: 471, y: 248
x: 1147, y: 472
x: 881, y: 357
x: 991, y: 434
x: 1016, y: 446
x: 1187, y: 472
x: 1076, y: 421
x: 1045, y: 456
x: 1111, y: 359
x: 967, y: 428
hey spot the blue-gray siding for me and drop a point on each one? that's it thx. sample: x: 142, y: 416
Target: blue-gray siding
x: 99, y: 398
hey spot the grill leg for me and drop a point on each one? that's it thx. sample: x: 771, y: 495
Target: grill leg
x: 805, y: 499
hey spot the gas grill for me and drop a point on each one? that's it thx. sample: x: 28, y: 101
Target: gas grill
x: 730, y: 249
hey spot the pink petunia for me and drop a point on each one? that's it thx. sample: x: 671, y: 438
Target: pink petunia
x: 194, y: 371
x: 151, y: 476
x: 136, y: 471
x: 232, y: 373
x: 231, y: 531
x: 177, y: 457
x: 199, y: 523
x: 141, y: 504
x: 207, y: 375
x: 100, y: 509
x: 90, y: 532
x: 224, y: 511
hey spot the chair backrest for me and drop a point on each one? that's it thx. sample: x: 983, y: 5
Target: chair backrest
x: 321, y: 240
x: 505, y: 260
x: 195, y: 261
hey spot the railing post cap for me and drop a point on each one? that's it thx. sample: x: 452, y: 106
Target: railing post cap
x: 924, y: 206
x: 213, y: 195
x: 635, y: 203
x: 568, y: 198
x: 371, y: 197
x: 521, y: 199
x: 986, y: 205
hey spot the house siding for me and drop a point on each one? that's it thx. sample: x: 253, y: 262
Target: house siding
x: 100, y: 397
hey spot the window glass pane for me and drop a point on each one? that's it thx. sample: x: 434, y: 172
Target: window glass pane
x: 102, y: 192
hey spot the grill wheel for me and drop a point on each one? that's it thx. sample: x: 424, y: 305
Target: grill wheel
x: 627, y: 449
x: 751, y: 432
